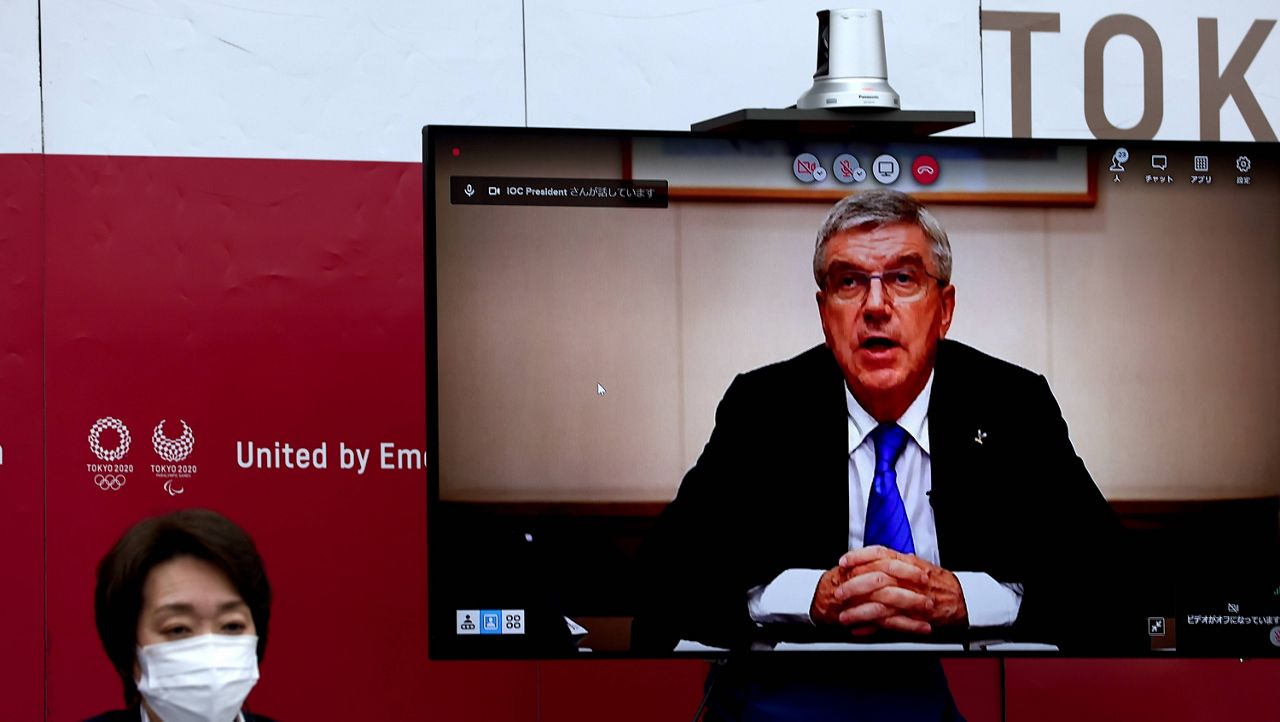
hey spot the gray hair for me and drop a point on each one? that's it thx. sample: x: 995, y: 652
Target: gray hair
x: 875, y: 209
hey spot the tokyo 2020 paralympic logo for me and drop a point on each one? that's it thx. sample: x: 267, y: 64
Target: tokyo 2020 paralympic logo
x: 95, y: 435
x: 173, y: 450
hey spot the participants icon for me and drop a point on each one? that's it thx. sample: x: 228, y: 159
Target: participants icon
x: 1118, y: 159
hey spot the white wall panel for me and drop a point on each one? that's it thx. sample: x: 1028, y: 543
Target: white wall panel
x: 1058, y: 89
x: 342, y: 80
x: 668, y: 63
x: 275, y: 78
x: 19, y: 77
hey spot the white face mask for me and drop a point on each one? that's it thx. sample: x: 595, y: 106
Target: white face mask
x: 199, y: 679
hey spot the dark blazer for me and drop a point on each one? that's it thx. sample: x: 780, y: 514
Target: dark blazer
x: 770, y: 492
x: 132, y: 715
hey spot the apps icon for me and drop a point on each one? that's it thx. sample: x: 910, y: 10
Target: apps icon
x: 1202, y: 164
x: 885, y: 168
x: 925, y: 170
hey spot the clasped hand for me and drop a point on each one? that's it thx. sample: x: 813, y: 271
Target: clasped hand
x: 877, y: 588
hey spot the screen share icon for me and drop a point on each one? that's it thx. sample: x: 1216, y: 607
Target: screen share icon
x: 885, y: 168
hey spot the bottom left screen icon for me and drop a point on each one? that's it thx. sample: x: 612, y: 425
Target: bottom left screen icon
x: 468, y: 621
x: 490, y: 621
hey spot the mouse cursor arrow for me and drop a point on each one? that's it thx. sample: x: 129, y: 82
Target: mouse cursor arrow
x: 600, y: 390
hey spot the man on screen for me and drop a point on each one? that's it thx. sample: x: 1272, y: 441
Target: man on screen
x: 888, y: 483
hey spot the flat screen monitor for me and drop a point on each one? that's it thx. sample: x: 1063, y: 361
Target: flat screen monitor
x: 697, y: 394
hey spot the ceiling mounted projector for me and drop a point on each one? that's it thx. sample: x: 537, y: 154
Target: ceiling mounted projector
x: 852, y: 70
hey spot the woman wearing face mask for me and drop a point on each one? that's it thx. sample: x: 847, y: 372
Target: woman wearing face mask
x: 182, y: 607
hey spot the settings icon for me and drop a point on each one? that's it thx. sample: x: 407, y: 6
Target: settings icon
x: 1243, y: 164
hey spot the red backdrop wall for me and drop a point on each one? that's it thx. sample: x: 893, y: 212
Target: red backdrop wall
x: 264, y: 303
x: 21, y: 436
x: 282, y: 301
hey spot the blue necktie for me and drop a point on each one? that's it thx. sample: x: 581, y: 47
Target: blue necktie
x: 887, y: 523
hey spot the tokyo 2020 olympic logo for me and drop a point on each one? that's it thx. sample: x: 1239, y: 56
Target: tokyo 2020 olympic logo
x: 109, y: 482
x: 95, y: 435
x: 173, y: 450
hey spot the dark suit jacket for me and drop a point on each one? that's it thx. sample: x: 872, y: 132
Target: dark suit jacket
x: 770, y: 492
x: 133, y: 715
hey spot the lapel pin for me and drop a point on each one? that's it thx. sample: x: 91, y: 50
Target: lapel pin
x: 981, y: 437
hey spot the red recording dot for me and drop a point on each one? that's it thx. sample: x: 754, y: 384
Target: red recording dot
x: 457, y: 152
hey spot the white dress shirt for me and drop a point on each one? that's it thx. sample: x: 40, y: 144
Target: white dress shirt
x: 788, y: 597
x: 147, y: 718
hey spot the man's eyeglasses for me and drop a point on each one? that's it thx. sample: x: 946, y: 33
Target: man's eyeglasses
x: 903, y: 285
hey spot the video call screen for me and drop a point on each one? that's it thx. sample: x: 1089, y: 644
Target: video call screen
x: 591, y: 296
